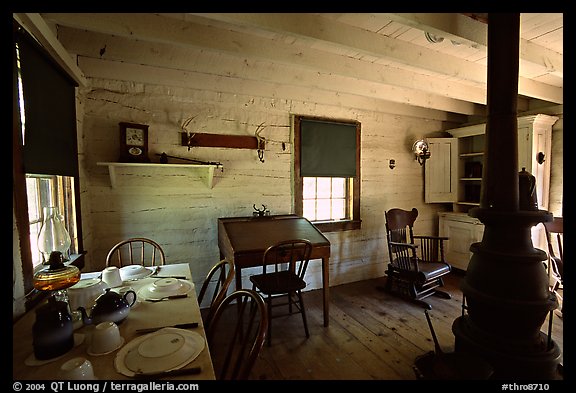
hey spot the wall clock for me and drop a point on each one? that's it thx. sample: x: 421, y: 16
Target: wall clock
x: 133, y: 142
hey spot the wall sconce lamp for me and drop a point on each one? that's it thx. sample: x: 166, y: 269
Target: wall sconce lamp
x: 421, y: 151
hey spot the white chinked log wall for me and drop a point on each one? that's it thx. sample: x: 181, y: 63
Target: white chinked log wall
x: 162, y: 85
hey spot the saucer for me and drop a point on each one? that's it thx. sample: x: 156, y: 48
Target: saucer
x: 90, y: 352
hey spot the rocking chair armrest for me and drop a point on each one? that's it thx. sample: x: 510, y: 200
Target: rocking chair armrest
x: 409, y: 245
x: 430, y: 237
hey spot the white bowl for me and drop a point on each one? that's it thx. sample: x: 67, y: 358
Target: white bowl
x: 85, y: 292
x: 77, y: 368
x: 134, y: 272
x: 105, y: 338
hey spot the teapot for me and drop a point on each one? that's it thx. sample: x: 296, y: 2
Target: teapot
x: 53, y: 331
x: 110, y: 306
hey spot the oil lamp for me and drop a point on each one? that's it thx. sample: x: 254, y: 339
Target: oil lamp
x: 53, y: 243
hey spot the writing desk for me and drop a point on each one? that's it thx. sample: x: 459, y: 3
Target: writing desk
x: 144, y: 315
x: 243, y: 240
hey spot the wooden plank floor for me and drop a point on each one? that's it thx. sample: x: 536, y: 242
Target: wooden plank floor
x: 372, y: 335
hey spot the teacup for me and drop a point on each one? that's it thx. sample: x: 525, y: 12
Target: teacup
x: 77, y: 368
x: 105, y: 338
x: 111, y: 276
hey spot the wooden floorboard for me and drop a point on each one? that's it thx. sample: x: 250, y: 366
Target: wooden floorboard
x: 372, y: 335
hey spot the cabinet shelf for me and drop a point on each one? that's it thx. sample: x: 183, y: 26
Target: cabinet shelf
x: 468, y: 203
x: 207, y: 168
x: 475, y: 154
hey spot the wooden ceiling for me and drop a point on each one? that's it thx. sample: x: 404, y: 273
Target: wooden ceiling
x: 428, y: 60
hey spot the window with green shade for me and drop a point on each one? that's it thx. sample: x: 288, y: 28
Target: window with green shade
x: 327, y: 172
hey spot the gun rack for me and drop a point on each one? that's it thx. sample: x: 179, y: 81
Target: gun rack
x: 219, y: 140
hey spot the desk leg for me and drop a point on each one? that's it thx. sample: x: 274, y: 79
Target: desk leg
x: 238, y: 277
x: 326, y: 288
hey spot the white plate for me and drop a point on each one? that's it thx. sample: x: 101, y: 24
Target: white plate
x: 163, y: 287
x: 164, y: 350
x: 135, y: 272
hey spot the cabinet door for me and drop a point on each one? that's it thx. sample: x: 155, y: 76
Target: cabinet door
x: 461, y: 235
x: 441, y: 183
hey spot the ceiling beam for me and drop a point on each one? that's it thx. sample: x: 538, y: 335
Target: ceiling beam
x: 316, y: 27
x: 35, y: 25
x: 89, y: 44
x: 467, y: 31
x: 454, y: 96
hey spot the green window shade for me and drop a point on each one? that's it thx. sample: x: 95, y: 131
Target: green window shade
x: 50, y: 113
x: 327, y: 149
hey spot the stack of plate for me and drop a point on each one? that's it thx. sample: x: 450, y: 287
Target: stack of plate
x: 135, y: 272
x: 164, y: 350
x: 164, y: 287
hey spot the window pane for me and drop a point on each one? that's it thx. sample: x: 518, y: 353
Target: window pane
x: 32, y: 193
x: 323, y: 210
x: 338, y: 209
x: 43, y: 191
x: 338, y: 187
x: 309, y: 188
x: 324, y: 187
x: 309, y: 209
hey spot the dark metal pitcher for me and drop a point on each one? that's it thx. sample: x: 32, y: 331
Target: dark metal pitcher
x: 528, y: 198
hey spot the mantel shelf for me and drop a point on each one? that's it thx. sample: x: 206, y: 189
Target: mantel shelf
x: 208, y: 168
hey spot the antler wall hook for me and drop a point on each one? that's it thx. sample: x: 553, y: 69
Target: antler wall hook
x: 189, y: 135
x: 261, y: 141
x: 260, y: 213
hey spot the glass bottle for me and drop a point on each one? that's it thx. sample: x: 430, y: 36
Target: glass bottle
x: 53, y: 235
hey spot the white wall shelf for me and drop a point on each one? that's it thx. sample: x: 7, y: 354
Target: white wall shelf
x: 207, y: 168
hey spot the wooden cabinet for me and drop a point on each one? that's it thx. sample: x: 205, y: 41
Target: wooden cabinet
x: 453, y: 174
x: 461, y: 230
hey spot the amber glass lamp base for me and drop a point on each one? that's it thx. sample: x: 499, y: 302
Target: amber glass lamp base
x: 57, y: 276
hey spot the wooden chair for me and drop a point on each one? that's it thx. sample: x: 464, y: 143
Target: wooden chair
x: 136, y: 251
x: 235, y: 350
x: 412, y: 274
x: 555, y: 239
x: 218, y: 281
x: 283, y: 268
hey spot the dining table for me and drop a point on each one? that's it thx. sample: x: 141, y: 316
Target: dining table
x: 142, y: 315
x: 243, y: 240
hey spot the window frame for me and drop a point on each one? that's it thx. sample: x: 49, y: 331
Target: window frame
x: 327, y: 226
x: 20, y: 196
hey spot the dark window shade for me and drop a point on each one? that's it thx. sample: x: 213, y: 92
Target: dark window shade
x: 50, y: 113
x: 327, y: 149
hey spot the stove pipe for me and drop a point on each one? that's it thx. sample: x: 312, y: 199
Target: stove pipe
x: 506, y: 291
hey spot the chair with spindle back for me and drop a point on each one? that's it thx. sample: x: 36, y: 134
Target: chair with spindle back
x: 236, y: 334
x: 412, y: 274
x: 136, y: 251
x: 216, y: 286
x: 555, y: 239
